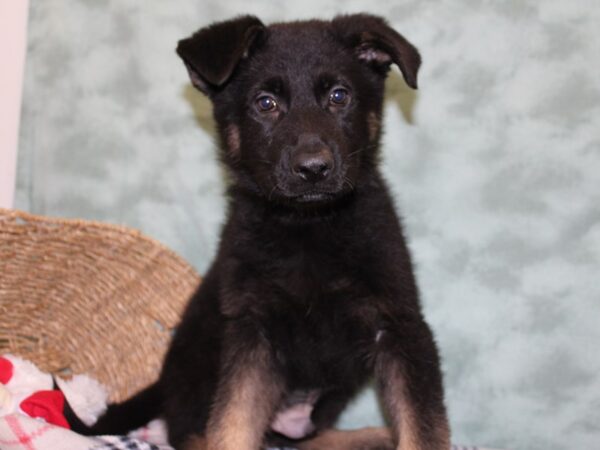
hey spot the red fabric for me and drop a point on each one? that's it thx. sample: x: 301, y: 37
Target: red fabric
x: 48, y: 405
x: 6, y: 370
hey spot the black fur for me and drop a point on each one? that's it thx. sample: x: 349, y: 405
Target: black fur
x: 312, y: 266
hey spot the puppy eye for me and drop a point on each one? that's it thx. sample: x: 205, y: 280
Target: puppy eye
x: 339, y: 96
x: 266, y: 103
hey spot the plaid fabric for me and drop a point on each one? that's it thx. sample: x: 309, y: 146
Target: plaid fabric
x: 460, y: 447
x: 125, y: 443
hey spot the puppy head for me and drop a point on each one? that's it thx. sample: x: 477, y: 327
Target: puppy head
x: 298, y: 104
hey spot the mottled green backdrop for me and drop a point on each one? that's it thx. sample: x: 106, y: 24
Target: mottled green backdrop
x: 495, y: 165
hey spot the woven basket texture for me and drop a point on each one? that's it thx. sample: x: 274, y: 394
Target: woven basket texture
x: 84, y: 297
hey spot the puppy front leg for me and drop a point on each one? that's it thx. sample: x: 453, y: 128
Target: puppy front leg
x: 247, y: 396
x: 409, y: 377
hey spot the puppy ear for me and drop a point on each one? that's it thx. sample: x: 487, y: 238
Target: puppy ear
x: 212, y: 53
x: 378, y: 45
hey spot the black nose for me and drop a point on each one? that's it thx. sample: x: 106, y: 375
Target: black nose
x: 313, y: 166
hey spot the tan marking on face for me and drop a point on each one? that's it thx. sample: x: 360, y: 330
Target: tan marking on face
x: 374, y: 125
x: 232, y: 137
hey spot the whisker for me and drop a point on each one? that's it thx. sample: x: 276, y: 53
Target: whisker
x: 348, y: 182
x: 273, y: 190
x: 360, y: 150
x: 356, y: 152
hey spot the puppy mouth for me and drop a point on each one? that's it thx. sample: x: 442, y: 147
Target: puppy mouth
x: 309, y: 196
x: 315, y: 197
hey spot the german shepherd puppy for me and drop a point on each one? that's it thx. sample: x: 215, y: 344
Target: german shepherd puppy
x: 312, y: 291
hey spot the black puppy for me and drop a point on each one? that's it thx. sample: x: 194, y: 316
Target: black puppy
x: 312, y: 290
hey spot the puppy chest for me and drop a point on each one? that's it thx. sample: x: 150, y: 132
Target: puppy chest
x: 320, y: 345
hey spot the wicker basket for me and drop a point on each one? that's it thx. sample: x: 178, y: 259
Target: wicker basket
x: 84, y: 297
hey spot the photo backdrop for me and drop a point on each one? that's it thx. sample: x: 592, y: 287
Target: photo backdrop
x: 494, y: 164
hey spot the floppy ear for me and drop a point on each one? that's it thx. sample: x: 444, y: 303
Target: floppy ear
x: 212, y: 53
x: 377, y: 44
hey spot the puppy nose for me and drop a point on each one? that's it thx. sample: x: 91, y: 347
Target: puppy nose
x: 313, y: 166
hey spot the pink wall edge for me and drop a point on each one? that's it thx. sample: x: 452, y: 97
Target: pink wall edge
x: 13, y: 37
